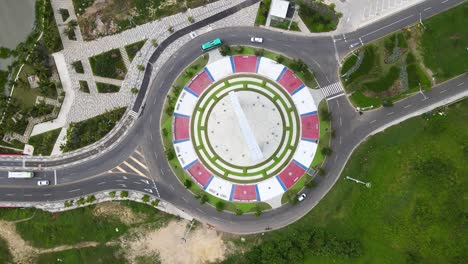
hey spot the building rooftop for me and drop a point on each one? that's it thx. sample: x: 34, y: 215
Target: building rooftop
x: 279, y: 8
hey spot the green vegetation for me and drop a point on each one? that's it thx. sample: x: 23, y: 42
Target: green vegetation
x: 64, y: 13
x: 444, y: 43
x: 84, y: 86
x: 296, y: 65
x: 284, y: 25
x: 45, y: 230
x: 133, y: 49
x: 89, y: 131
x: 109, y: 64
x: 318, y: 16
x: 99, y: 254
x: 402, y: 63
x: 412, y: 213
x: 107, y: 88
x: 262, y: 12
x: 5, y: 255
x: 44, y: 143
x: 78, y: 66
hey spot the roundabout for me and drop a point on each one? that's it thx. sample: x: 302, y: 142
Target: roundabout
x: 245, y: 129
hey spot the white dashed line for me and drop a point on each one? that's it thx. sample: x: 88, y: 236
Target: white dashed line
x: 443, y: 91
x: 101, y: 183
x: 391, y: 113
x: 29, y: 195
x: 372, y: 121
x: 445, y: 1
x: 407, y: 106
x: 427, y: 8
x: 47, y: 194
x: 460, y: 84
x: 74, y: 190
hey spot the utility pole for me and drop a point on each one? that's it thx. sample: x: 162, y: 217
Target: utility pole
x: 186, y: 233
x: 367, y: 184
x: 290, y: 21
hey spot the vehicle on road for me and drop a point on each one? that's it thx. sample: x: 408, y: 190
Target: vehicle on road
x: 256, y: 40
x: 301, y: 197
x: 211, y: 44
x: 42, y: 183
x: 20, y: 174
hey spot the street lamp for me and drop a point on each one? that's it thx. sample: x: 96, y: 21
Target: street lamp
x: 367, y: 184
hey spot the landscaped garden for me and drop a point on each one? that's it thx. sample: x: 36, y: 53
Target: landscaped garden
x: 408, y: 61
x: 109, y: 64
x: 86, y: 132
x: 319, y: 17
x: 262, y: 13
x: 133, y: 49
x: 412, y: 213
x: 107, y: 88
x: 43, y: 143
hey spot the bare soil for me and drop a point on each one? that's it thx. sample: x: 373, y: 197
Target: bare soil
x: 121, y: 212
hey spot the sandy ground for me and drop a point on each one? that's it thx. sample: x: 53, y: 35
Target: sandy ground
x: 123, y: 213
x: 202, y: 244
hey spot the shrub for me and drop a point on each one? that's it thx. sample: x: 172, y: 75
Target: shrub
x: 155, y: 203
x: 145, y: 198
x: 123, y: 194
x: 112, y: 194
x: 68, y: 203
x: 326, y: 151
x: 203, y: 197
x: 78, y: 66
x: 134, y: 90
x: 91, y: 199
x: 279, y: 59
x: 259, y: 52
x: 220, y: 206
x: 188, y: 183
x: 239, y: 211
x: 387, y: 103
x: 170, y: 155
x: 140, y: 67
x: 324, y: 113
x: 154, y: 42
x: 320, y: 171
x: 292, y: 197
x: 225, y: 50
x: 191, y: 19
x: 171, y: 29
x: 258, y: 210
x: 80, y: 201
x: 310, y: 184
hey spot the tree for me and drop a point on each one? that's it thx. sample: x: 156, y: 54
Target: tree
x: 239, y: 211
x: 310, y: 184
x: 298, y: 65
x: 225, y: 50
x: 292, y: 197
x: 220, y: 206
x: 80, y: 201
x: 68, y: 203
x: 145, y: 198
x: 326, y: 151
x: 191, y: 19
x: 387, y: 103
x: 170, y: 155
x: 320, y: 171
x: 171, y: 29
x: 203, y: 197
x: 123, y: 194
x: 280, y: 58
x: 188, y: 183
x: 324, y: 113
x: 154, y: 42
x: 259, y: 52
x: 112, y: 194
x: 140, y: 67
x: 155, y: 203
x: 258, y: 210
x: 134, y: 90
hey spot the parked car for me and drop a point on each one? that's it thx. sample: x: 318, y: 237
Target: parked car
x: 256, y: 40
x: 42, y: 183
x: 301, y: 197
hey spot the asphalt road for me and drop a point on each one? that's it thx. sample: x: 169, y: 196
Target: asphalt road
x: 320, y: 53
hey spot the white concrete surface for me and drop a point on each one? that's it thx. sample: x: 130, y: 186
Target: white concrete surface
x: 269, y: 189
x: 304, y: 102
x: 185, y: 152
x: 220, y: 188
x: 220, y: 69
x: 305, y: 152
x: 270, y: 68
x: 185, y: 103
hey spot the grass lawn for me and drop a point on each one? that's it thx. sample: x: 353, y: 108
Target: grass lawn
x: 23, y: 93
x: 262, y: 12
x: 99, y: 254
x: 285, y: 24
x: 106, y: 88
x: 84, y: 86
x: 444, y: 43
x: 318, y: 17
x: 109, y: 64
x: 78, y: 66
x: 86, y: 132
x: 44, y: 143
x: 413, y: 213
x: 5, y: 256
x: 133, y: 49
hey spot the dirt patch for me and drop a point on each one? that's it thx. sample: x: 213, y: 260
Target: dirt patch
x: 121, y: 212
x: 21, y: 251
x: 202, y: 245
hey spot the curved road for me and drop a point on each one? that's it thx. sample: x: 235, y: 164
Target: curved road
x: 320, y: 53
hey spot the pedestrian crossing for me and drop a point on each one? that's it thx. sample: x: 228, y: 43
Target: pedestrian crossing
x: 333, y: 90
x: 133, y: 113
x: 134, y: 164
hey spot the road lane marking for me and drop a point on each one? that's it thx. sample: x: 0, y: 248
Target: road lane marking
x: 119, y: 180
x: 172, y: 187
x: 341, y: 123
x: 134, y: 169
x: 389, y: 25
x: 445, y: 1
x: 139, y: 163
x: 443, y: 91
x: 340, y: 140
x: 183, y: 198
x: 372, y: 121
x: 101, y: 183
x: 47, y: 194
x: 391, y: 113
x: 55, y: 176
x: 74, y: 190
x: 407, y: 106
x: 460, y: 84
x: 199, y: 210
x: 120, y: 169
x: 424, y: 99
x: 427, y: 8
x: 139, y: 153
x: 29, y: 195
x: 137, y: 183
x: 10, y: 194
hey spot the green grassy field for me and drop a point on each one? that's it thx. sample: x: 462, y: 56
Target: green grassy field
x: 413, y: 213
x: 437, y: 49
x: 107, y: 88
x: 99, y: 254
x: 44, y: 143
x: 444, y: 43
x: 262, y: 12
x: 109, y: 64
x: 5, y: 256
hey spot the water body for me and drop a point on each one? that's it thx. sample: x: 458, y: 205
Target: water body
x: 16, y: 22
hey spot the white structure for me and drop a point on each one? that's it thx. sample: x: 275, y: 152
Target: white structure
x: 279, y: 9
x: 255, y: 152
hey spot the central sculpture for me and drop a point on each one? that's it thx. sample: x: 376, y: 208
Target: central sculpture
x: 256, y: 153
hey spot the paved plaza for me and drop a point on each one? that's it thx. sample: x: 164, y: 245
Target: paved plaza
x: 215, y: 151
